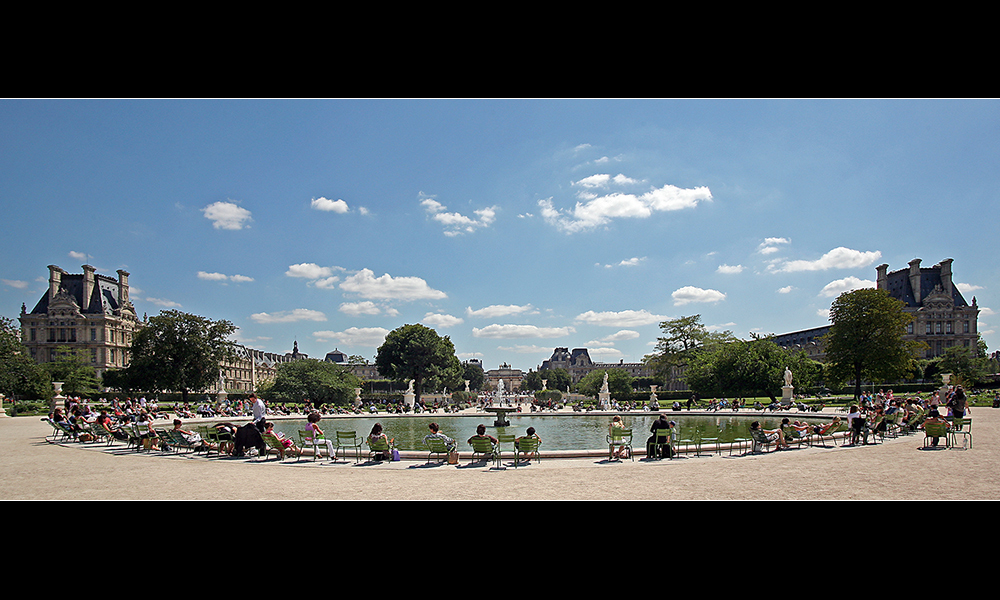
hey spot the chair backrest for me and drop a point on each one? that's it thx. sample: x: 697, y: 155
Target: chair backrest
x: 378, y: 445
x: 934, y: 429
x: 348, y: 436
x: 619, y: 435
x: 662, y: 436
x: 527, y: 444
x: 481, y: 444
x: 758, y: 435
x: 958, y: 422
x: 272, y: 440
x: 505, y: 438
x: 306, y: 437
x: 436, y: 444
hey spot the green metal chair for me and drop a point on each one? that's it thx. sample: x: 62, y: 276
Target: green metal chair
x: 382, y: 445
x: 436, y: 445
x: 936, y: 430
x: 349, y: 439
x: 527, y: 446
x: 620, y: 439
x: 957, y: 429
x: 662, y: 438
x: 759, y: 439
x: 484, y: 449
x: 502, y: 440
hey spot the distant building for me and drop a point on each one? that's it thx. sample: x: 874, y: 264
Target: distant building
x: 511, y: 377
x: 942, y: 317
x: 578, y: 364
x: 88, y: 313
x: 363, y: 370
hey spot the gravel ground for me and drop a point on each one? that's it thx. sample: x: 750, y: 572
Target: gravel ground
x: 899, y: 469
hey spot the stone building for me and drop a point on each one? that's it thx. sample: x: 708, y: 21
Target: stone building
x: 88, y: 313
x: 512, y: 378
x: 942, y: 317
x: 578, y: 364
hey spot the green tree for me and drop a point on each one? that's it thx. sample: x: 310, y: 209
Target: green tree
x: 72, y: 367
x: 417, y: 352
x: 866, y: 341
x: 311, y: 379
x: 684, y: 338
x: 179, y: 352
x: 969, y: 367
x: 20, y: 375
x: 748, y: 368
x: 619, y: 383
x: 555, y: 379
x: 473, y: 373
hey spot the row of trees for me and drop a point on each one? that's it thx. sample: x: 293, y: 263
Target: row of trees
x: 181, y: 352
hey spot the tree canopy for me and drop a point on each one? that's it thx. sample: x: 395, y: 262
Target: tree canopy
x: 20, y: 375
x: 866, y: 341
x: 684, y: 338
x: 746, y: 368
x: 180, y: 352
x: 619, y: 383
x: 417, y: 352
x: 310, y: 379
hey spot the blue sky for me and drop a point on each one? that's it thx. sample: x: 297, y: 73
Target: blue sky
x: 512, y: 226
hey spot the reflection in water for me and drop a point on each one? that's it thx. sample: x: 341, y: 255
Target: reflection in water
x: 558, y: 432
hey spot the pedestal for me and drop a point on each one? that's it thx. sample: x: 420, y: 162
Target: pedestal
x: 409, y: 399
x: 604, y: 400
x: 786, y: 392
x: 501, y: 412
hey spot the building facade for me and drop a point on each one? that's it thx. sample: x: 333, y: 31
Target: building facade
x: 579, y: 364
x: 942, y: 318
x: 88, y: 313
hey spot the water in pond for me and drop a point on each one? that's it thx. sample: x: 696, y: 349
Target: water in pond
x: 558, y: 432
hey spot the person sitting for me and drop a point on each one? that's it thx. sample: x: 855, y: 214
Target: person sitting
x: 825, y: 429
x: 286, y: 443
x: 793, y: 430
x: 935, y: 417
x: 482, y: 435
x: 770, y: 435
x: 312, y: 426
x: 192, y: 437
x: 614, y: 431
x: 529, y: 434
x: 377, y: 435
x: 436, y: 433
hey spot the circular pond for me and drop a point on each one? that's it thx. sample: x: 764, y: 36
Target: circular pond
x: 558, y: 432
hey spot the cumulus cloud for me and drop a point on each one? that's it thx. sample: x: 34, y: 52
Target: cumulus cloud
x: 288, y: 316
x: 442, y: 320
x: 386, y: 287
x: 770, y: 245
x: 327, y: 205
x: 309, y: 271
x: 78, y: 255
x: 689, y: 294
x: 163, y: 303
x: 730, y: 269
x: 847, y: 284
x: 15, y: 283
x: 628, y: 262
x: 785, y: 290
x: 456, y: 223
x: 595, y: 211
x: 227, y: 215
x: 366, y: 308
x: 354, y: 336
x: 621, y: 336
x: 624, y: 318
x: 223, y: 277
x: 838, y: 258
x: 498, y: 310
x: 520, y: 331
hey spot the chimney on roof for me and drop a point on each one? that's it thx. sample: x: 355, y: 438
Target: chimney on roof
x: 122, y: 288
x: 882, y: 280
x: 946, y: 276
x: 915, y: 280
x: 88, y: 287
x: 55, y: 281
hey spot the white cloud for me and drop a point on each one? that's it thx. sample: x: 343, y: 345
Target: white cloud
x: 967, y: 288
x: 324, y: 204
x: 289, y: 316
x: 847, y: 284
x: 604, y: 180
x: 366, y: 308
x: 629, y: 262
x: 838, y: 258
x: 223, y: 277
x: 785, y: 290
x: 457, y: 223
x: 163, y: 303
x: 621, y: 336
x: 442, y: 320
x: 770, y: 245
x: 15, y: 283
x: 227, y: 215
x: 730, y: 269
x: 309, y: 271
x: 387, y: 287
x: 605, y: 353
x: 689, y: 294
x: 625, y: 318
x: 498, y: 310
x: 526, y: 349
x: 78, y: 255
x: 600, y: 210
x: 520, y: 331
x: 354, y: 336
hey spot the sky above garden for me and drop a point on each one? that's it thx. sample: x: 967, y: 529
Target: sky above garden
x: 513, y: 226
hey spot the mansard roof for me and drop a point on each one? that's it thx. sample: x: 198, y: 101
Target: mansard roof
x: 899, y: 286
x: 103, y: 298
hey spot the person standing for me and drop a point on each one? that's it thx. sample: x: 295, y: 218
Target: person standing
x: 259, y: 411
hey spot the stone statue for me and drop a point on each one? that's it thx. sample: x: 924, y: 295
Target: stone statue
x: 409, y: 390
x: 604, y: 386
x: 788, y: 377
